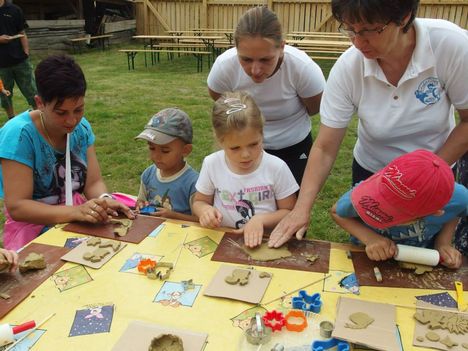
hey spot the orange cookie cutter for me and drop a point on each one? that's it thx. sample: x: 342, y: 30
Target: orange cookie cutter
x: 274, y: 320
x: 294, y: 326
x: 146, y: 264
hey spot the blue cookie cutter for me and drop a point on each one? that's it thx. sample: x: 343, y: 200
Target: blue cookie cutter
x: 321, y: 345
x: 307, y: 302
x: 148, y: 210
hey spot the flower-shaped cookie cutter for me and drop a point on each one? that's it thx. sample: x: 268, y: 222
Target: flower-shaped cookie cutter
x: 306, y: 302
x: 146, y: 264
x: 295, y: 326
x: 321, y: 345
x: 274, y: 320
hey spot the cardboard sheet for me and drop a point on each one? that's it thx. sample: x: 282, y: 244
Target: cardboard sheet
x: 141, y: 227
x: 420, y: 330
x: 393, y: 276
x: 229, y: 252
x: 380, y: 334
x: 76, y: 255
x: 138, y: 336
x: 19, y: 285
x: 252, y: 292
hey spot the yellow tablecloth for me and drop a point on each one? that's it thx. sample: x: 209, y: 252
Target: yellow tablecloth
x: 133, y: 295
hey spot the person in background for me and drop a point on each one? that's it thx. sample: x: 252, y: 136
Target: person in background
x: 169, y: 183
x: 284, y: 82
x: 414, y: 201
x: 14, y: 57
x: 242, y: 186
x: 403, y: 78
x: 33, y: 159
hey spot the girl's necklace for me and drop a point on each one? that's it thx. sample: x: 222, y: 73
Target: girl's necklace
x: 41, y: 115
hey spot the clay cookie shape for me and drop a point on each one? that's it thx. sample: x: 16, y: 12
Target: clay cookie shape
x: 238, y: 276
x: 96, y: 255
x: 360, y: 320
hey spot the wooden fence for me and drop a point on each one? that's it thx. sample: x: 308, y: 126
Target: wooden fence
x: 159, y: 16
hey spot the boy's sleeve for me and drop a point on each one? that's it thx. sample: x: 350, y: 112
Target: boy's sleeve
x: 344, y: 206
x: 142, y: 192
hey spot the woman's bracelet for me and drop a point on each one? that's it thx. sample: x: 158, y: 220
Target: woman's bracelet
x: 105, y: 195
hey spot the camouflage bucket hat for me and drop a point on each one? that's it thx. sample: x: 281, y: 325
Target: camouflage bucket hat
x: 167, y: 125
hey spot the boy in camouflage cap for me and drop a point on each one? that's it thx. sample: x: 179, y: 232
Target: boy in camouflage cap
x: 168, y: 184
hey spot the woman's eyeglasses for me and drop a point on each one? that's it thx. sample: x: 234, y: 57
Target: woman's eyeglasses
x: 365, y: 33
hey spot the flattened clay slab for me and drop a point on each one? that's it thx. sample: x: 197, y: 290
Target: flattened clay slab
x: 167, y: 342
x: 264, y: 253
x: 230, y: 250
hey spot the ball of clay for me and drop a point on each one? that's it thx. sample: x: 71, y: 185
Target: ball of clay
x: 166, y: 342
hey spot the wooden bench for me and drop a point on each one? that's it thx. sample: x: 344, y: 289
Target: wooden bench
x: 103, y: 41
x: 131, y: 53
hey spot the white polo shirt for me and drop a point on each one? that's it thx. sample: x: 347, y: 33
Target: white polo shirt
x: 278, y: 97
x: 418, y: 113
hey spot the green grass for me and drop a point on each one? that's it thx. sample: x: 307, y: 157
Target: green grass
x: 120, y: 102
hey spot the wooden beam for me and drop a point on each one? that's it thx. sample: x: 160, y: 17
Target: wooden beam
x: 158, y: 15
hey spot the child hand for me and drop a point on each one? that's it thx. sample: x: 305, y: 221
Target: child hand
x: 450, y: 257
x: 380, y: 249
x: 211, y: 218
x: 140, y: 204
x: 253, y: 232
x: 11, y: 257
x: 6, y: 92
x: 162, y: 212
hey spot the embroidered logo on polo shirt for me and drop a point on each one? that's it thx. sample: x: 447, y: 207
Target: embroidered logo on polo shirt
x: 429, y: 91
x: 392, y: 180
x: 373, y: 210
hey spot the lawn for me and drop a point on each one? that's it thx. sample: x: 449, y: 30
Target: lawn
x: 119, y: 103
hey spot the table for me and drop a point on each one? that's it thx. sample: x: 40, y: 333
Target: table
x: 133, y: 295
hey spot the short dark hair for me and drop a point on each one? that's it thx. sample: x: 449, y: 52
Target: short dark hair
x: 59, y: 77
x: 373, y: 11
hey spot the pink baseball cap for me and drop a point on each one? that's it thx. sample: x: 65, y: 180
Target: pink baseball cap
x: 412, y: 186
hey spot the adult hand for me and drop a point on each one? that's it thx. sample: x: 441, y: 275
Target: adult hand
x: 11, y: 257
x: 295, y: 222
x: 211, y: 217
x: 98, y: 210
x: 253, y: 232
x: 450, y: 257
x: 380, y: 248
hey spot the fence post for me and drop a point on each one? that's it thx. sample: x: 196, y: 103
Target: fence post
x: 204, y: 14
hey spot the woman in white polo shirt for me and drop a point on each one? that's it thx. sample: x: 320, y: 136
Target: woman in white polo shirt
x: 403, y: 78
x: 284, y: 82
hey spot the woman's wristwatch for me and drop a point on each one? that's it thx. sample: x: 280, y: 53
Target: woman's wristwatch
x: 105, y: 196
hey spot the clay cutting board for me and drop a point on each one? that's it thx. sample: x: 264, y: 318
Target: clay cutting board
x: 393, y: 276
x: 141, y: 227
x: 20, y: 285
x: 228, y: 252
x: 76, y: 255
